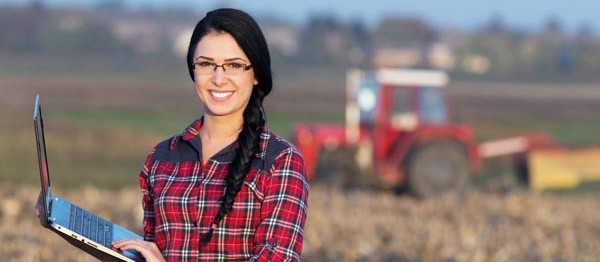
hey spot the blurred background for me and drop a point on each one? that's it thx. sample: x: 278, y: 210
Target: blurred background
x: 113, y: 82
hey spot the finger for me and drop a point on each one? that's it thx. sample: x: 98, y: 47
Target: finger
x: 134, y: 246
x: 125, y: 243
x: 122, y: 242
x: 149, y: 250
x: 144, y: 250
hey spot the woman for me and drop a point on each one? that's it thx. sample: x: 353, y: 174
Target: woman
x: 226, y: 188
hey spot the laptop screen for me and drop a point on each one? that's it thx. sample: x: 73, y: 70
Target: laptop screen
x: 38, y: 123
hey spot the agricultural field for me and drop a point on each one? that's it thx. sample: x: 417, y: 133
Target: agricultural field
x: 101, y: 123
x: 361, y: 225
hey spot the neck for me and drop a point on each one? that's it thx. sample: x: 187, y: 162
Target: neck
x: 221, y: 128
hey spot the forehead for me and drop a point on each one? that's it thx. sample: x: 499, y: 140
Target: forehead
x: 219, y: 46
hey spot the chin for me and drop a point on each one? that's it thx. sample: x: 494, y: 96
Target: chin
x: 221, y: 112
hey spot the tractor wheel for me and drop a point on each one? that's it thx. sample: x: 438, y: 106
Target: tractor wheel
x: 521, y: 170
x: 337, y: 169
x: 436, y: 168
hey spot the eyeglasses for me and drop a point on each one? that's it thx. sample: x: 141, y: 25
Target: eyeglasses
x: 232, y: 68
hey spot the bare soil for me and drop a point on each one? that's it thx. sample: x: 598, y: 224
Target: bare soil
x: 361, y: 225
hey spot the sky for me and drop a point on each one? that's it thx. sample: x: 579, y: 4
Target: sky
x: 523, y: 14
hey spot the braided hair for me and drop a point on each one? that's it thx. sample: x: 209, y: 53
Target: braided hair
x: 246, y: 32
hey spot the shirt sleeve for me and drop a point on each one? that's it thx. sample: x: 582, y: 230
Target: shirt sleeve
x: 149, y: 222
x: 280, y: 234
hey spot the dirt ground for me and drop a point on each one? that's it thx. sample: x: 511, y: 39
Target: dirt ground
x: 362, y: 225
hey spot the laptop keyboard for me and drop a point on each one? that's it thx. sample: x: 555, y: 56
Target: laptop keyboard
x: 91, y: 226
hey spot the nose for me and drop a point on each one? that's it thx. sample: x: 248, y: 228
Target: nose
x: 219, y: 76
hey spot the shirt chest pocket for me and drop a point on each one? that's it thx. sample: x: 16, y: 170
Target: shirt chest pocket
x: 254, y: 185
x: 248, y: 201
x: 175, y: 195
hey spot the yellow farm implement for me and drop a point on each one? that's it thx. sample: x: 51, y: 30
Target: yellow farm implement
x: 563, y: 168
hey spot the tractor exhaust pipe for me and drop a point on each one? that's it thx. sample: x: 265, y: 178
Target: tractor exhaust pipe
x: 353, y: 77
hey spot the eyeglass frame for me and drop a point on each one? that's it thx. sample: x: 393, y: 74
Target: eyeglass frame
x: 215, y: 66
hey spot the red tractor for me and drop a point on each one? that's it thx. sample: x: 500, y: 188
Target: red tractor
x: 398, y: 125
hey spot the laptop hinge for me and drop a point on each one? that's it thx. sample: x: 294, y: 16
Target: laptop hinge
x: 48, y: 202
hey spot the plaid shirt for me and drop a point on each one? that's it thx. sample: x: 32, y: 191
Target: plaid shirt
x: 181, y: 198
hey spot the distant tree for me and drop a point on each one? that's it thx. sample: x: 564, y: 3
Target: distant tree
x: 322, y: 41
x: 20, y: 26
x: 70, y: 32
x: 587, y: 51
x: 359, y: 44
x: 495, y: 43
x: 553, y: 25
x: 114, y: 6
x: 552, y: 42
x: 398, y: 31
x: 496, y: 23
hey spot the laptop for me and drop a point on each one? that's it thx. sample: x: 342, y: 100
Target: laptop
x: 83, y: 229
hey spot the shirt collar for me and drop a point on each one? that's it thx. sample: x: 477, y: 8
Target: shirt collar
x: 193, y: 129
x: 189, y: 133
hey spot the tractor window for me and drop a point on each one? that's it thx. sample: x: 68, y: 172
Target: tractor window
x: 367, y: 100
x: 403, y: 117
x: 401, y: 101
x: 433, y: 109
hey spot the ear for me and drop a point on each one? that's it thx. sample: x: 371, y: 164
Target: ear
x: 255, y: 82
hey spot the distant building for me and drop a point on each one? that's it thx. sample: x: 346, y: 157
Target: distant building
x: 397, y: 57
x: 145, y: 34
x: 139, y: 34
x: 282, y: 37
x: 437, y: 55
x: 182, y: 41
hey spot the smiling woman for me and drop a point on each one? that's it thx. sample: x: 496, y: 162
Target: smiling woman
x: 226, y: 188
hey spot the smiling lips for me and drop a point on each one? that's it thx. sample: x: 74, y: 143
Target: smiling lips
x: 220, y: 95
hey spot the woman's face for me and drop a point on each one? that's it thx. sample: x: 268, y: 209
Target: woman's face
x: 222, y: 93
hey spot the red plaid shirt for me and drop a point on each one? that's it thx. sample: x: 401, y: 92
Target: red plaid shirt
x: 181, y: 198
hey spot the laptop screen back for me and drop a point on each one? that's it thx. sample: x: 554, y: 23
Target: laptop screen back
x: 38, y: 123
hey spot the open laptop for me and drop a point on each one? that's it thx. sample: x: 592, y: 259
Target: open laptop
x: 85, y: 230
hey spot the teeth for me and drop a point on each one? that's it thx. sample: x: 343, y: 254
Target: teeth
x: 221, y: 94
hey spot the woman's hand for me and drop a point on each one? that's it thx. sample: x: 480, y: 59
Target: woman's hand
x: 148, y: 249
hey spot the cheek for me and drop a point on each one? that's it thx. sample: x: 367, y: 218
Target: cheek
x: 248, y: 87
x: 201, y: 83
x: 250, y: 82
x: 200, y: 88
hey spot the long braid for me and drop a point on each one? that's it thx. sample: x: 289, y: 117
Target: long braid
x: 250, y: 38
x: 248, y: 144
x: 248, y: 141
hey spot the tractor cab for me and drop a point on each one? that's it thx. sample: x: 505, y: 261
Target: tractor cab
x: 404, y: 99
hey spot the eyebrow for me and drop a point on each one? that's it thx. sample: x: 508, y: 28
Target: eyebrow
x: 226, y: 60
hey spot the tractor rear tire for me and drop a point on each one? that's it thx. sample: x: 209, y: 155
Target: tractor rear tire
x: 436, y: 168
x: 337, y: 169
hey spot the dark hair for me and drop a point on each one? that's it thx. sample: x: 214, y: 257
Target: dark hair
x: 246, y: 32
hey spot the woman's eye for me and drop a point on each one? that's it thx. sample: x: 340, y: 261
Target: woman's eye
x: 205, y: 64
x: 234, y: 65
